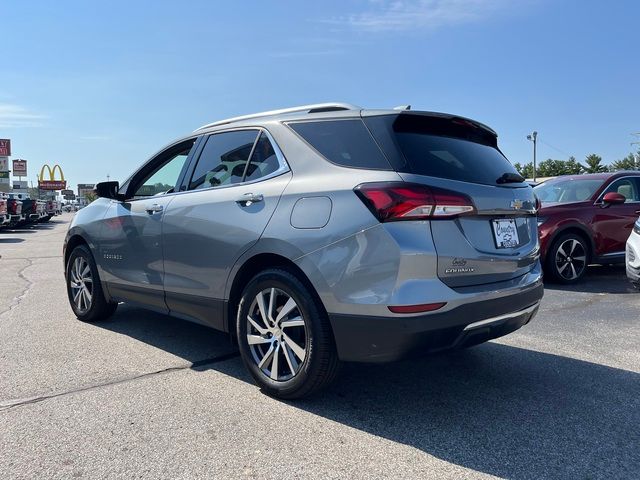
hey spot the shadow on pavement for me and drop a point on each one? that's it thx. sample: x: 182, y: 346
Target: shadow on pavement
x: 599, y: 279
x: 502, y: 410
x: 11, y: 240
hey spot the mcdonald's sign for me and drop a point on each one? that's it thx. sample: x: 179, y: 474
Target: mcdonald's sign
x: 52, y: 183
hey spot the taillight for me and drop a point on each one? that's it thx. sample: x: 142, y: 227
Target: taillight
x: 3, y: 207
x: 395, y: 201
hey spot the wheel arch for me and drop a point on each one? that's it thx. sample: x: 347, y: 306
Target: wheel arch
x: 248, y: 269
x: 72, y: 242
x: 579, y: 230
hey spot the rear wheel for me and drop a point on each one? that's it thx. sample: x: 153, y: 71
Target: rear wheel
x: 84, y: 288
x: 284, y: 336
x: 568, y: 258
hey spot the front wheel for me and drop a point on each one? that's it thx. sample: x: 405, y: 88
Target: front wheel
x: 284, y: 336
x: 84, y: 289
x: 568, y: 259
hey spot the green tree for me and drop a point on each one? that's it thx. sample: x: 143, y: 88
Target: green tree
x: 525, y: 170
x: 594, y: 164
x: 630, y: 162
x: 573, y: 166
x: 90, y: 197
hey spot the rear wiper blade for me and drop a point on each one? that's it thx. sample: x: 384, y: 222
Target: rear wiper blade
x: 510, y: 177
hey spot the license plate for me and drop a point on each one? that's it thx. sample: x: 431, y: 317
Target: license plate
x: 505, y: 233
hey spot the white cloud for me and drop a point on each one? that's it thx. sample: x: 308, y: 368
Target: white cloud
x: 385, y: 15
x: 16, y: 116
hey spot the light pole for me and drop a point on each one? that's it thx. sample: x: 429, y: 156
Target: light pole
x: 533, y: 137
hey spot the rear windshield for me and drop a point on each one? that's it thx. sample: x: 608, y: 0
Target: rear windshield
x: 441, y: 147
x: 344, y: 142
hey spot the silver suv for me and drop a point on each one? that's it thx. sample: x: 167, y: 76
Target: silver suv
x: 316, y: 235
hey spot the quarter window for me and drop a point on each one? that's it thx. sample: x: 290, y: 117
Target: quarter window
x: 263, y: 161
x: 223, y: 159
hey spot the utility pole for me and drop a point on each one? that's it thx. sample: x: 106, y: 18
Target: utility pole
x: 533, y: 137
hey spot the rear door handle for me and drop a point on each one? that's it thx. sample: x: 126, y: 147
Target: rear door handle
x: 637, y: 212
x: 155, y: 208
x: 249, y: 199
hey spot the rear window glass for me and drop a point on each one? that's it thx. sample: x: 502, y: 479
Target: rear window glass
x: 439, y: 147
x: 343, y: 142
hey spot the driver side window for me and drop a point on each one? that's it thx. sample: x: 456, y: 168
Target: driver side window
x: 163, y: 177
x: 627, y: 187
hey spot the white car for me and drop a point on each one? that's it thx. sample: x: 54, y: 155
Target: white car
x: 633, y: 255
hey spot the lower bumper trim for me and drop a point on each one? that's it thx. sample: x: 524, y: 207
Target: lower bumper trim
x: 501, y: 318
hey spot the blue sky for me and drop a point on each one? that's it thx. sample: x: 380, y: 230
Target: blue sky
x: 100, y: 86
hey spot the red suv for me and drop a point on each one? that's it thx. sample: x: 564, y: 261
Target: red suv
x: 586, y: 219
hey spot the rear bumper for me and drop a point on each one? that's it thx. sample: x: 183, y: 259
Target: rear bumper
x: 384, y: 339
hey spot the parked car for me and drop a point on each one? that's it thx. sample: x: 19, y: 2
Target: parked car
x: 5, y: 218
x: 586, y: 219
x: 14, y: 208
x: 633, y: 255
x: 52, y: 208
x: 348, y: 235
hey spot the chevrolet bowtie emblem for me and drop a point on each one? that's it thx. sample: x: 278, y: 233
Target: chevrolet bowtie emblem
x: 517, y: 204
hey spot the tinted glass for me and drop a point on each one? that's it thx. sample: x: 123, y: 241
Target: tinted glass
x: 263, y: 161
x: 164, y: 178
x: 344, y: 142
x: 440, y: 146
x: 627, y: 187
x: 567, y: 190
x: 223, y: 159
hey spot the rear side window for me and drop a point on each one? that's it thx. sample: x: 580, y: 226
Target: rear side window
x: 441, y: 147
x: 223, y: 159
x: 344, y: 142
x: 263, y: 161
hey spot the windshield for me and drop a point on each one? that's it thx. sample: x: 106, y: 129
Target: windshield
x: 568, y: 190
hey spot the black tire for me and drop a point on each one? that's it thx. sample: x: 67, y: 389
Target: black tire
x: 567, y: 259
x: 98, y: 308
x: 300, y: 378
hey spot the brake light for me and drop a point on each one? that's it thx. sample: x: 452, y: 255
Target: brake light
x: 538, y: 203
x: 395, y: 201
x: 3, y: 207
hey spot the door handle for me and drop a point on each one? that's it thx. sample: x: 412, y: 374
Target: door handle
x: 155, y: 208
x: 249, y: 199
x: 637, y: 212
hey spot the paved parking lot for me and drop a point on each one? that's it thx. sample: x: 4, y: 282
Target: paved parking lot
x: 146, y: 396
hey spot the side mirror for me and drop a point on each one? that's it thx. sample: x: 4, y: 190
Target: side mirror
x: 109, y: 190
x: 613, y: 198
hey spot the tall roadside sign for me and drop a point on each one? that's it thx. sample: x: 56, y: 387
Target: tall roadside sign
x: 52, y: 183
x: 5, y: 152
x: 5, y: 147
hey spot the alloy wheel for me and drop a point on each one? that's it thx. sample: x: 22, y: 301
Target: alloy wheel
x: 571, y: 259
x: 277, y: 334
x: 81, y: 283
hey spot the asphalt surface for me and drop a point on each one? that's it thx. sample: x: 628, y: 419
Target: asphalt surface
x: 146, y: 396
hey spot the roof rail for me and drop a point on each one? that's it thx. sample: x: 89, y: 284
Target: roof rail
x: 313, y: 108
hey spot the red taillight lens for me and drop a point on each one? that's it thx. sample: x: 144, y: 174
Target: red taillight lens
x: 395, y: 201
x: 425, y: 307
